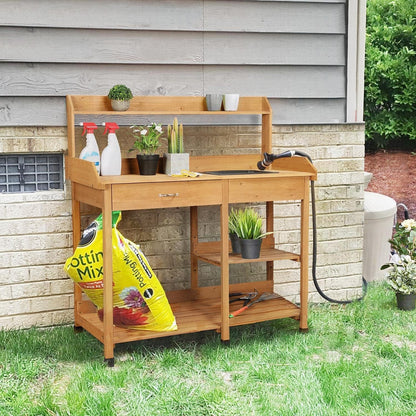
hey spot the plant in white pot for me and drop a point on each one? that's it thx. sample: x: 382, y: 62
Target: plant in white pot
x: 249, y: 231
x: 401, y: 275
x: 120, y: 97
x: 176, y: 159
x: 147, y: 143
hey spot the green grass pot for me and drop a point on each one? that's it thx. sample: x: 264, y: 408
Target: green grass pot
x: 250, y: 249
x: 235, y: 243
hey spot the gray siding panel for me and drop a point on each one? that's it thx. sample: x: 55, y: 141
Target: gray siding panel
x: 288, y: 111
x: 290, y: 51
x: 273, y: 49
x: 99, y: 46
x: 66, y: 79
x: 255, y: 16
x: 274, y: 82
x: 155, y: 47
x: 32, y: 111
x: 105, y: 14
x: 289, y: 17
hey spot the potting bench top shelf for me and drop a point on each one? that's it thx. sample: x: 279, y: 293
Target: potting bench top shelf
x: 100, y: 104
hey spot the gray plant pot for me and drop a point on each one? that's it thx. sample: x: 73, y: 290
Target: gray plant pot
x: 235, y: 243
x: 120, y: 105
x: 214, y: 102
x: 250, y: 249
x: 175, y: 162
x: 406, y: 302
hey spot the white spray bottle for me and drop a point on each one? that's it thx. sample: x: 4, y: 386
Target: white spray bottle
x: 111, y: 156
x: 90, y: 152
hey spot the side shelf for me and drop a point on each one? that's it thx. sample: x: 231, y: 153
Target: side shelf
x: 266, y: 254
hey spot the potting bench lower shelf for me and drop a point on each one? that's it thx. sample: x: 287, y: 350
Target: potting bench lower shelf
x: 200, y: 314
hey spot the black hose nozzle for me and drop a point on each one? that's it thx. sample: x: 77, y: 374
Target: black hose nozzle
x: 270, y: 157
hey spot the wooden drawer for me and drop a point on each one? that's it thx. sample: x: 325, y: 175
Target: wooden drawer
x: 166, y: 194
x: 267, y: 189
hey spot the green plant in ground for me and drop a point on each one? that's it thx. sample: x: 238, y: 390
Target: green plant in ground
x: 175, y: 137
x: 120, y: 92
x: 147, y: 138
x: 249, y: 224
x: 390, y: 72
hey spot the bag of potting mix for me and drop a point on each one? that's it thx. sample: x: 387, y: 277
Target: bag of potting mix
x: 139, y: 300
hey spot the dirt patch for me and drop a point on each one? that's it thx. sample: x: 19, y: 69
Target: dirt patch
x: 394, y: 175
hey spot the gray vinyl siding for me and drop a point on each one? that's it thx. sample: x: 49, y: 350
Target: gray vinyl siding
x: 293, y: 52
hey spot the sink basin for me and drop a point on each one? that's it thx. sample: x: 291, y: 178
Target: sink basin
x: 237, y: 172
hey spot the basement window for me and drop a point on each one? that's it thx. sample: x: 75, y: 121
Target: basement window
x: 31, y: 172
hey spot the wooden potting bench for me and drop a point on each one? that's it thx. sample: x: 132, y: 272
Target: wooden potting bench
x: 197, y: 308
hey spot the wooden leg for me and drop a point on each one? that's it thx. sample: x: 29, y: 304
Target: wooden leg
x: 304, y: 252
x: 270, y: 238
x: 225, y: 268
x: 76, y: 237
x: 194, y: 243
x: 108, y: 278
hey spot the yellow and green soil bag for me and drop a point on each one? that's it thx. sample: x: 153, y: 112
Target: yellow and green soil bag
x: 139, y: 300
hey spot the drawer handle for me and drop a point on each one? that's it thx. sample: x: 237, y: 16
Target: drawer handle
x: 168, y: 195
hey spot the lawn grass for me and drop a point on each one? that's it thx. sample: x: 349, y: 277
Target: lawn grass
x: 355, y: 360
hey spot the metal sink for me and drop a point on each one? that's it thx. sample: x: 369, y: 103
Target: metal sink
x: 237, y: 172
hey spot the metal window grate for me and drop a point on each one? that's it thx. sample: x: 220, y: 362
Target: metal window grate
x: 30, y: 173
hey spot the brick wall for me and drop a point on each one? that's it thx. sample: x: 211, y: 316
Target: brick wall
x: 35, y: 240
x: 35, y: 228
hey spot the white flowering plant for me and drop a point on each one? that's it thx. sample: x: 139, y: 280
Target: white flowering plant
x: 404, y: 239
x: 401, y: 274
x: 147, y: 138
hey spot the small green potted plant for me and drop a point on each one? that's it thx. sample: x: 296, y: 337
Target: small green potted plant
x: 401, y: 275
x: 249, y: 231
x: 146, y: 143
x: 120, y: 97
x: 176, y: 159
x: 232, y: 230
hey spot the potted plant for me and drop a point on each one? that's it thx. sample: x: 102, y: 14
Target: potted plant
x: 232, y: 230
x: 176, y: 159
x: 147, y: 143
x: 249, y: 231
x: 120, y: 97
x: 401, y: 275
